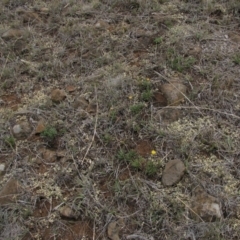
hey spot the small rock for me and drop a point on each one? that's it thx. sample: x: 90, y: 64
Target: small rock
x: 21, y: 130
x: 49, y: 155
x: 17, y: 129
x: 13, y: 33
x: 174, y: 92
x: 44, y: 10
x: 114, y: 228
x: 173, y: 172
x: 102, y: 24
x: 10, y: 191
x: 205, y: 207
x: 80, y: 102
x: 2, y: 168
x: 70, y: 88
x: 195, y: 51
x: 67, y: 212
x: 40, y: 127
x: 92, y: 108
x: 58, y: 95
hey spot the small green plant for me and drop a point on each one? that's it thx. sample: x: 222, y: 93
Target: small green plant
x: 135, y: 109
x: 50, y: 133
x: 132, y: 158
x: 7, y: 73
x: 236, y: 59
x: 137, y: 163
x: 107, y: 138
x: 126, y: 156
x: 113, y: 115
x: 158, y: 40
x: 180, y: 63
x: 145, y: 87
x: 117, y: 186
x: 147, y: 95
x: 10, y: 141
x: 151, y: 169
x: 144, y: 84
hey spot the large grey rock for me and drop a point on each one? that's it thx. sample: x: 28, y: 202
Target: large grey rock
x: 173, y: 172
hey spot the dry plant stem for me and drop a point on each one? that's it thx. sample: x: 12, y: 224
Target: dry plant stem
x: 159, y: 74
x: 4, y: 66
x: 94, y: 230
x: 95, y: 129
x: 203, y: 108
x: 136, y: 236
x: 190, y: 209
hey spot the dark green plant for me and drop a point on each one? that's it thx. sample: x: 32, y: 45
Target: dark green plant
x: 113, y: 115
x: 10, y: 141
x: 107, y: 138
x: 126, y: 156
x: 236, y: 59
x: 147, y: 95
x: 180, y: 63
x: 158, y: 40
x: 145, y: 88
x: 137, y: 163
x: 135, y: 109
x: 145, y: 85
x: 50, y: 133
x: 151, y: 169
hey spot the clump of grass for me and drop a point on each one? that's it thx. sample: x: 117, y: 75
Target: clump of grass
x: 126, y: 156
x: 107, y: 138
x: 151, y: 169
x: 236, y: 59
x: 178, y: 62
x: 146, y: 90
x: 50, y: 133
x: 137, y: 162
x: 10, y: 141
x: 135, y: 109
x: 181, y: 64
x: 130, y: 157
x: 158, y: 40
x: 113, y: 115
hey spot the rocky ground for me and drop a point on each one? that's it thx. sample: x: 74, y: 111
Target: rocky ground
x: 119, y: 119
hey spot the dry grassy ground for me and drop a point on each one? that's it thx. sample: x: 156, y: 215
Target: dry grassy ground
x: 90, y: 115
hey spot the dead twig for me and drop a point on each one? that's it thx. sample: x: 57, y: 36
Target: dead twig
x: 95, y: 128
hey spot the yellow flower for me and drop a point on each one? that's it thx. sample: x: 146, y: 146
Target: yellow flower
x: 153, y: 152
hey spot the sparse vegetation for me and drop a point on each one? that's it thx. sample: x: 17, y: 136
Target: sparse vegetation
x: 236, y: 59
x: 96, y: 151
x: 10, y: 141
x: 50, y: 133
x: 135, y: 109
